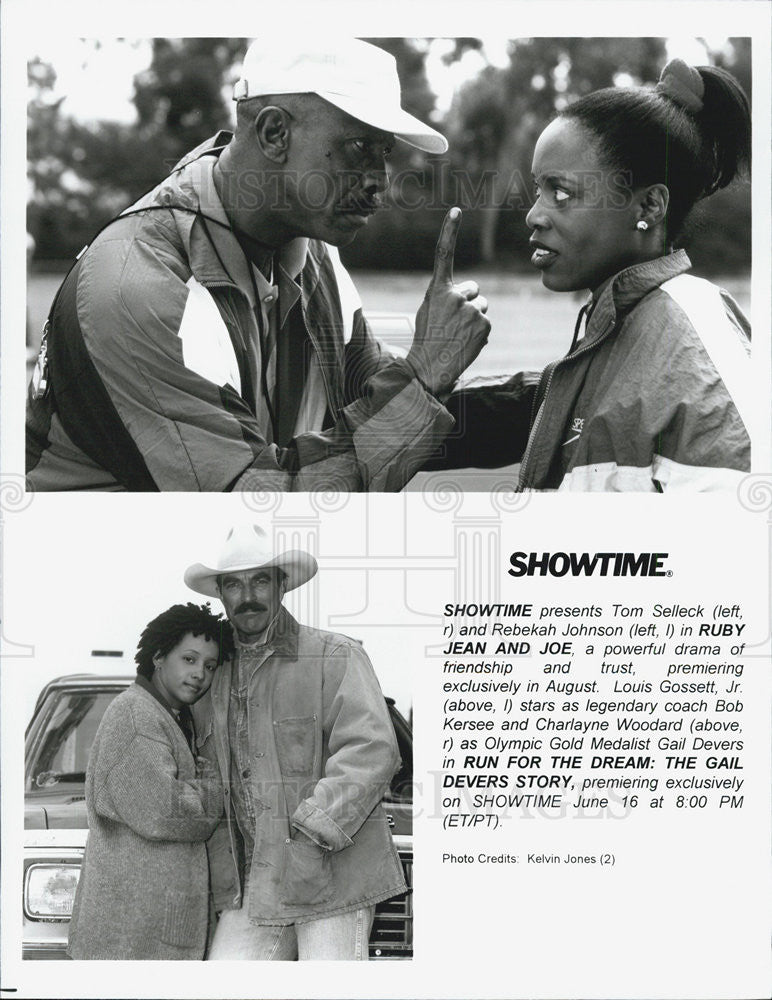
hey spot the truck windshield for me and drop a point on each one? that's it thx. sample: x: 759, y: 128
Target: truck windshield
x: 60, y: 748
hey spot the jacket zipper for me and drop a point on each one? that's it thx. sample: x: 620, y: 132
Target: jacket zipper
x: 224, y: 283
x: 531, y: 437
x: 328, y: 392
x: 618, y: 317
x: 521, y: 483
x: 334, y: 408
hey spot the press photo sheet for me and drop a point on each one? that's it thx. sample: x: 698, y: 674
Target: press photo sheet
x: 579, y: 683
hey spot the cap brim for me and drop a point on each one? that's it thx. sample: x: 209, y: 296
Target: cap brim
x: 402, y: 125
x: 299, y: 567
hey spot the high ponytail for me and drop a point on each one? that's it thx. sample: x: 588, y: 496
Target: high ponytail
x: 725, y: 123
x: 692, y: 133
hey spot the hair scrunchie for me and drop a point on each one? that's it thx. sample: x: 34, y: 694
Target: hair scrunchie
x: 683, y: 85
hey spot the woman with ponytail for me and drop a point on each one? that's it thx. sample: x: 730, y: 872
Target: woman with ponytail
x: 653, y: 393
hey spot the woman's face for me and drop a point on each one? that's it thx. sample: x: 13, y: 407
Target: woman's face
x: 584, y: 217
x: 185, y: 673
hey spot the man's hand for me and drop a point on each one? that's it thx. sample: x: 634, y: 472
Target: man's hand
x: 451, y: 328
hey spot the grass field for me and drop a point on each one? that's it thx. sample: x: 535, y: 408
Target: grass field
x: 530, y: 327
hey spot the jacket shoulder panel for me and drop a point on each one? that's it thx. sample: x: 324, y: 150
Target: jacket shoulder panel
x: 655, y: 393
x: 132, y: 714
x: 703, y: 305
x: 326, y: 641
x: 659, y: 340
x: 131, y: 287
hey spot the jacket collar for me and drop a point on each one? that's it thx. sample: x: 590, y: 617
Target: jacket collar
x: 216, y: 259
x: 149, y: 688
x: 213, y: 251
x: 211, y: 711
x: 281, y: 636
x: 182, y: 717
x: 628, y: 287
x: 285, y: 635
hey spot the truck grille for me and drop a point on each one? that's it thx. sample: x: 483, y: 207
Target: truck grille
x: 392, y: 933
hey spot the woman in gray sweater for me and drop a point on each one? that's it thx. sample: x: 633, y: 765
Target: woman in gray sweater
x: 143, y: 889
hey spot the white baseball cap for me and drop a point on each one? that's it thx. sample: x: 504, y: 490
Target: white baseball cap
x: 356, y: 77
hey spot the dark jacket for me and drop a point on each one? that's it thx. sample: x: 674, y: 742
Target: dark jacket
x: 154, y: 367
x: 654, y: 398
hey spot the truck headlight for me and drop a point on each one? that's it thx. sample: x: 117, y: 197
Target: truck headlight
x: 49, y: 891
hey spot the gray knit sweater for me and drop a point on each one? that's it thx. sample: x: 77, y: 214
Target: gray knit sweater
x: 143, y: 889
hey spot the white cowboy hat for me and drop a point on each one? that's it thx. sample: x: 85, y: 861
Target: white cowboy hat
x: 356, y: 77
x: 248, y: 547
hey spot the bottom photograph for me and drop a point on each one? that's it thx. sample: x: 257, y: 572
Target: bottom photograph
x: 229, y: 783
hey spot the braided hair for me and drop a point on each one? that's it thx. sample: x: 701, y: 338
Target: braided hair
x: 164, y: 632
x: 692, y: 132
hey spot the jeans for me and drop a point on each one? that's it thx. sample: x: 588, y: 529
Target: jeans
x: 343, y: 936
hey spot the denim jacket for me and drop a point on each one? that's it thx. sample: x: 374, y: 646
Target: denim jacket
x: 322, y: 751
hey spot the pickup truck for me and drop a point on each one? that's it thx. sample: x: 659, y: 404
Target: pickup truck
x: 57, y: 745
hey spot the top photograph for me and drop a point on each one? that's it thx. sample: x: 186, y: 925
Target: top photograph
x: 376, y: 265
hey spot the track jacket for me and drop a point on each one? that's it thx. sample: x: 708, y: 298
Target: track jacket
x: 654, y: 397
x: 157, y: 357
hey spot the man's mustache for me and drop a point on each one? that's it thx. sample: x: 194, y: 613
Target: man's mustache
x: 363, y: 204
x: 254, y: 606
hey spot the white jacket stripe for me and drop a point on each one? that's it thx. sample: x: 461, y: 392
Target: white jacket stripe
x: 206, y: 344
x: 694, y: 478
x: 350, y: 301
x: 701, y: 301
x: 608, y: 477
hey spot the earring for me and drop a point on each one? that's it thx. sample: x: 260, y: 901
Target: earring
x: 642, y: 225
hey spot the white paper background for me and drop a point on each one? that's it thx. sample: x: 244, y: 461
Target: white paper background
x: 685, y: 912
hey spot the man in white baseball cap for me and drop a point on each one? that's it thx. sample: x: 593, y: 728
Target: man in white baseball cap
x: 298, y: 729
x: 356, y: 77
x: 218, y: 341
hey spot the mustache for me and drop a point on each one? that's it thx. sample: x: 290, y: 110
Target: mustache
x: 253, y: 606
x: 363, y: 204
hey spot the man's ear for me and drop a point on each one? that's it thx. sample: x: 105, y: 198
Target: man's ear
x: 654, y: 202
x: 272, y: 131
x: 157, y: 658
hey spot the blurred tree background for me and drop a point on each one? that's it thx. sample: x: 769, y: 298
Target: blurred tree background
x: 82, y: 173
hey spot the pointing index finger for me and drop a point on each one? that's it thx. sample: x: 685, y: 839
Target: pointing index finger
x: 446, y: 246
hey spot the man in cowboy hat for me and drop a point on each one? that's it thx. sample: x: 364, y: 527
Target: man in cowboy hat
x: 298, y: 728
x: 210, y: 339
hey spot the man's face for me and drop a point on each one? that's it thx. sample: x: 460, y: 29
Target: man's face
x: 251, y: 599
x: 336, y: 171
